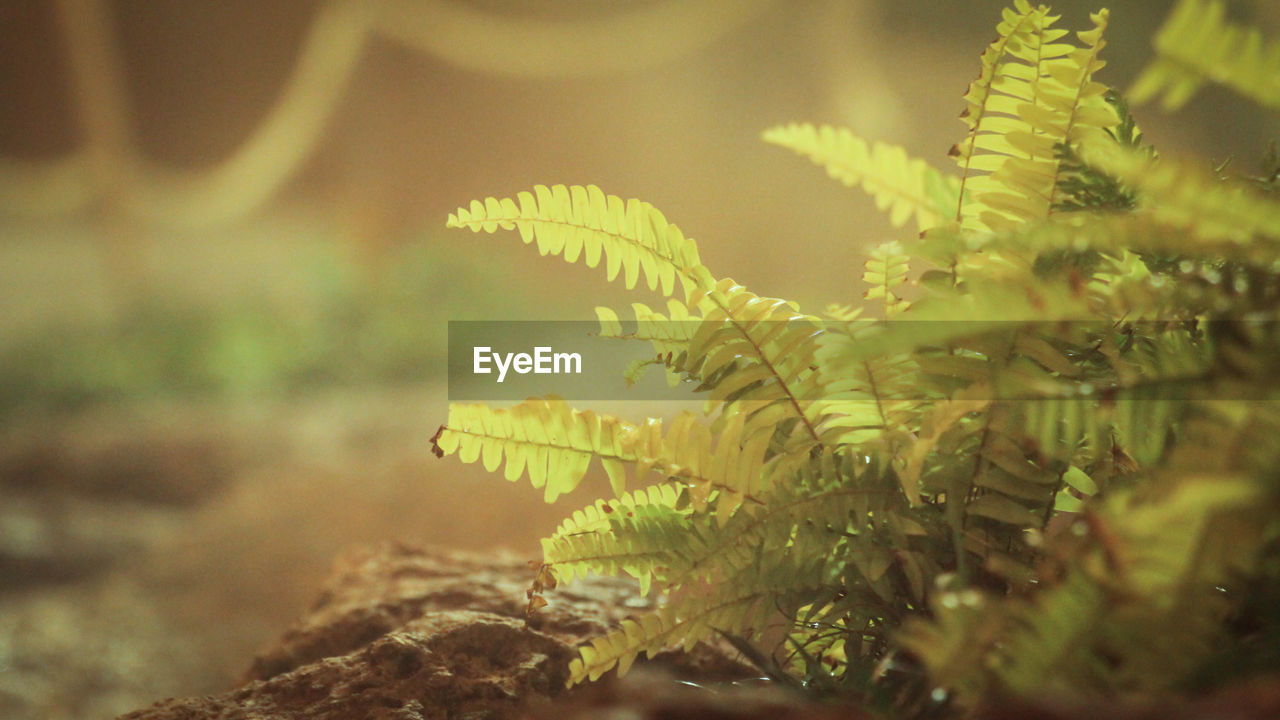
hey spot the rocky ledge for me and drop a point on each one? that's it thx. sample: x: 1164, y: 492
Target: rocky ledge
x: 406, y: 633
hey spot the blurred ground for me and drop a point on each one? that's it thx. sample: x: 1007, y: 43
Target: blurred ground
x: 193, y: 421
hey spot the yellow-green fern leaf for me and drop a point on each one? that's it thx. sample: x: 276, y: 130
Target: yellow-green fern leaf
x: 886, y: 271
x: 867, y: 401
x: 1015, y: 27
x: 668, y: 334
x: 759, y: 351
x: 902, y: 185
x: 545, y: 438
x: 1196, y: 45
x: 1035, y: 95
x: 634, y: 533
x: 632, y: 237
x: 724, y: 464
x: 681, y: 623
x: 1217, y: 215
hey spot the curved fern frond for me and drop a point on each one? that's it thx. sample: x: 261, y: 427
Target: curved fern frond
x: 739, y: 602
x: 632, y: 237
x: 937, y: 423
x: 1016, y: 27
x: 1034, y: 94
x: 543, y: 437
x: 1196, y: 45
x: 681, y: 624
x: 1156, y: 557
x: 867, y: 401
x: 635, y: 533
x: 902, y: 185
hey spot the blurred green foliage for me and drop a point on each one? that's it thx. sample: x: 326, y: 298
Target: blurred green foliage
x: 351, y: 324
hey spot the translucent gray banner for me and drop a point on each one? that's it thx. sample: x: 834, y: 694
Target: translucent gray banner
x: 513, y: 360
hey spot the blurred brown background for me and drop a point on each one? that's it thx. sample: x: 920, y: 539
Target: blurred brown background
x: 225, y: 282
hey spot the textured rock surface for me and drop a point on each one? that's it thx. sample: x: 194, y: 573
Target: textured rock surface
x: 374, y: 592
x: 405, y: 633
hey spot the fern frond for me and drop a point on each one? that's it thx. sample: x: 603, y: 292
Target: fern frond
x: 1034, y: 95
x: 1002, y: 302
x: 760, y: 350
x: 824, y: 501
x: 900, y: 184
x: 939, y: 422
x: 1132, y: 607
x: 743, y: 598
x: 668, y: 334
x: 988, y: 112
x: 632, y: 237
x: 1017, y: 26
x: 867, y: 401
x: 727, y: 463
x: 680, y: 624
x: 543, y: 437
x: 886, y: 270
x: 1196, y: 45
x: 635, y: 533
x: 1195, y: 202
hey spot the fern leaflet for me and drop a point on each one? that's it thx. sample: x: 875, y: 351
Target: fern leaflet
x: 900, y: 184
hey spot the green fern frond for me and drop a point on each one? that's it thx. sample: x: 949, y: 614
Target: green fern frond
x: 938, y: 423
x: 1084, y: 188
x: 1016, y: 27
x: 900, y: 184
x: 1196, y: 45
x: 1031, y: 477
x: 761, y: 350
x: 867, y: 402
x: 1195, y: 202
x: 1034, y: 95
x: 1148, y: 583
x: 886, y: 271
x: 823, y: 501
x: 727, y: 463
x: 681, y: 623
x: 545, y: 438
x: 636, y: 533
x: 632, y: 237
x: 999, y: 304
x: 669, y: 335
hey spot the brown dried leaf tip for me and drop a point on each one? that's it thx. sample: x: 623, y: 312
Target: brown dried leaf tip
x: 435, y: 443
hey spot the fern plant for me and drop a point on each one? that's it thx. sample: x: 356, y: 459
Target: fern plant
x: 1051, y: 470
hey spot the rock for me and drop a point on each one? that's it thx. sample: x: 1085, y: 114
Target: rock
x: 374, y: 592
x: 400, y: 632
x: 448, y: 664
